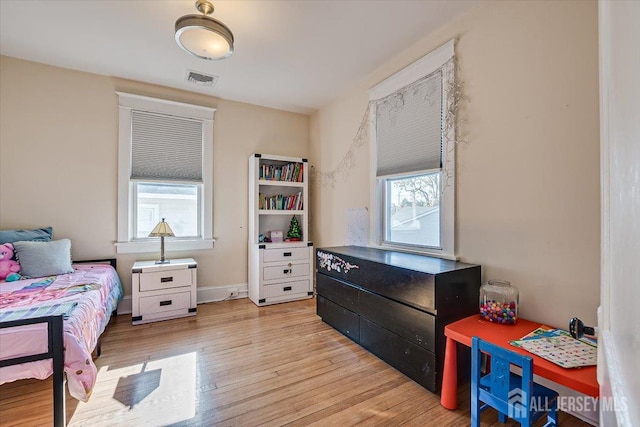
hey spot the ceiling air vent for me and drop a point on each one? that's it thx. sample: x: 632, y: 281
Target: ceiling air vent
x: 201, y: 79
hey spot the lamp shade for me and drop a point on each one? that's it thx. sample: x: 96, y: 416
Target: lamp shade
x: 203, y: 36
x: 162, y: 229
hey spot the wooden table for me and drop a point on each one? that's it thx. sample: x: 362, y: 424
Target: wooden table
x: 579, y: 379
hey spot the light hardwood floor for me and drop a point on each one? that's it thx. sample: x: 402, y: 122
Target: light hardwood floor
x: 235, y: 364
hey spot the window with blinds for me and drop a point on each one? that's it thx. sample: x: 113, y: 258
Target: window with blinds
x: 165, y: 172
x: 409, y: 128
x: 165, y: 147
x: 413, y: 176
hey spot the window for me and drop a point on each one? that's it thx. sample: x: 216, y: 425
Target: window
x: 165, y: 171
x: 178, y: 202
x: 412, y: 214
x: 413, y: 169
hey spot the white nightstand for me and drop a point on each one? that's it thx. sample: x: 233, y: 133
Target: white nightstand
x: 163, y: 291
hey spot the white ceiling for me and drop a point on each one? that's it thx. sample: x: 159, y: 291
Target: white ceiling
x: 291, y: 55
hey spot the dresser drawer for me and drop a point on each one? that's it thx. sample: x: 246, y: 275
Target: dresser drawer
x: 286, y: 254
x: 165, y: 303
x: 289, y: 288
x: 338, y: 291
x: 413, y: 361
x: 376, y: 273
x: 285, y: 271
x: 169, y: 279
x: 413, y: 325
x: 340, y: 318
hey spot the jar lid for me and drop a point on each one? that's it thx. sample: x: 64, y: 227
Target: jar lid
x: 502, y: 283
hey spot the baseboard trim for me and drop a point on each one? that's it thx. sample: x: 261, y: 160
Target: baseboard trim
x: 221, y: 293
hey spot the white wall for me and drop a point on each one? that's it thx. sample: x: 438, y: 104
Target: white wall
x: 58, y: 162
x: 527, y: 181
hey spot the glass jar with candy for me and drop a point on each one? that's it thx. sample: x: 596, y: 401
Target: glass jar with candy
x: 499, y: 302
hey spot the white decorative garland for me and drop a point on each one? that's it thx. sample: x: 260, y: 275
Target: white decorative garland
x: 349, y: 160
x: 451, y: 133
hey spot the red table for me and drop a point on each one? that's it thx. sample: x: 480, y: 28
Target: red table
x: 579, y: 379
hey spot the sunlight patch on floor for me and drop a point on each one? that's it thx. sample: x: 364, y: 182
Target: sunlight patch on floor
x: 165, y: 388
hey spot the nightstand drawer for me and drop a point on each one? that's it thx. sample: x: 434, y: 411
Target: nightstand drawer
x: 289, y: 288
x: 157, y: 280
x: 285, y: 271
x: 164, y: 303
x: 286, y: 254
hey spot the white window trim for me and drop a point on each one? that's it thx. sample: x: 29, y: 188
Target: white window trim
x: 413, y: 72
x: 128, y: 102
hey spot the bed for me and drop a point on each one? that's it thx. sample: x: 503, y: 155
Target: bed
x: 80, y: 297
x: 86, y: 298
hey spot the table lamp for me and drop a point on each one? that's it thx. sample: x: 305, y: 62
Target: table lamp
x: 162, y: 230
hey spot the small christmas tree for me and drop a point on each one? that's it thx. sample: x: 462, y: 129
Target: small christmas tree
x: 294, y: 230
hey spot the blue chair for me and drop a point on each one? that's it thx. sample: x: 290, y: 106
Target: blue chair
x: 512, y: 395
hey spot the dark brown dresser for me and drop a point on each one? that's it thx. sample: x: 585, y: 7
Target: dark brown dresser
x: 396, y: 304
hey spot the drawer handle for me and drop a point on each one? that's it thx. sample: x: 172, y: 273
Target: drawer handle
x: 286, y: 271
x: 166, y: 279
x: 286, y: 288
x: 286, y: 254
x: 167, y: 302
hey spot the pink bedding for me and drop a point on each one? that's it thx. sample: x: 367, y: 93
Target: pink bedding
x: 89, y: 296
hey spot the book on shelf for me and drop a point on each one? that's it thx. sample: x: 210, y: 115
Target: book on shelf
x: 288, y: 172
x: 291, y: 172
x: 280, y: 202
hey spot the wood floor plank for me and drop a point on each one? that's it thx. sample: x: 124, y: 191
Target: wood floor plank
x: 235, y: 364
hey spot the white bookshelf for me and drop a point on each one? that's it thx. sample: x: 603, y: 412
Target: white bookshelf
x: 278, y: 271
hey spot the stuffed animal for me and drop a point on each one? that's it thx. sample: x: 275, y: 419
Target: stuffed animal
x: 8, y: 266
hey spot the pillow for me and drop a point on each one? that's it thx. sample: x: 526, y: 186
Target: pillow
x: 40, y: 259
x: 38, y: 234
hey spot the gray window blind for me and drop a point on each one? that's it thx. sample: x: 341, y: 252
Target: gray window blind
x: 165, y: 147
x: 409, y: 128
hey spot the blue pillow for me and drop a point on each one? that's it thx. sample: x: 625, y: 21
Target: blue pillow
x: 38, y: 235
x: 40, y: 259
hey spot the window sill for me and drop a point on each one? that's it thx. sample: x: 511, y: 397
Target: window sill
x: 169, y: 245
x: 414, y: 250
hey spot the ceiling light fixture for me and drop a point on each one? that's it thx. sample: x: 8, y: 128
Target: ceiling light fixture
x: 203, y: 36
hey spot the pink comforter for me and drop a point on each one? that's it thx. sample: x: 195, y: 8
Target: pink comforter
x: 96, y: 291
